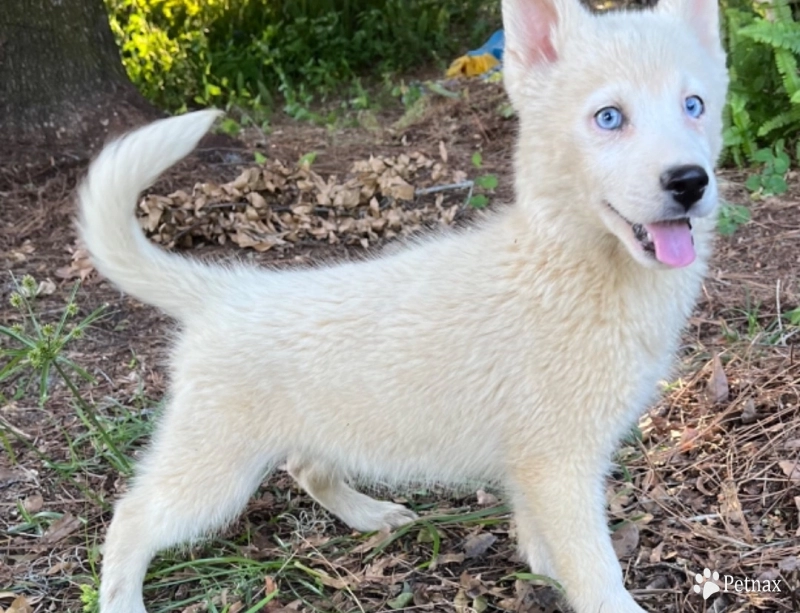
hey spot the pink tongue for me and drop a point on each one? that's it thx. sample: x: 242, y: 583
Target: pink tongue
x: 673, y: 241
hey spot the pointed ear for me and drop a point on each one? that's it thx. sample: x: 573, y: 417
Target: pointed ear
x: 702, y: 16
x: 529, y: 26
x: 530, y: 29
x: 534, y: 31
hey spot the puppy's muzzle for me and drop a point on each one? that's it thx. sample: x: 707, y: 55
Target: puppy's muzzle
x: 686, y: 184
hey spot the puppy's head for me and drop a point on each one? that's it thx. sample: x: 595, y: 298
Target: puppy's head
x: 622, y: 113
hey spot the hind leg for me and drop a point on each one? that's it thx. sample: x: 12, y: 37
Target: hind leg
x: 357, y: 510
x: 196, y: 477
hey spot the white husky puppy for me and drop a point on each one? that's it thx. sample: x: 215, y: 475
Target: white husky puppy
x: 519, y: 351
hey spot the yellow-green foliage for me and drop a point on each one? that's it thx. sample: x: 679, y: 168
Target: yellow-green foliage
x: 196, y: 52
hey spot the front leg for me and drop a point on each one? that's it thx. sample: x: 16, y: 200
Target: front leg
x: 563, y: 499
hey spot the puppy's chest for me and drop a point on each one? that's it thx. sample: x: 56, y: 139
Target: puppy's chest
x: 610, y: 357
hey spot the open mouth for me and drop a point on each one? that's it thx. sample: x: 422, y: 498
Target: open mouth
x: 669, y: 241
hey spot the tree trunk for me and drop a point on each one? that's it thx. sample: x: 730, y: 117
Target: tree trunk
x: 62, y: 84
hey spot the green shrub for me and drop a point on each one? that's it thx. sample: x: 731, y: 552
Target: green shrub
x: 763, y: 44
x: 199, y: 52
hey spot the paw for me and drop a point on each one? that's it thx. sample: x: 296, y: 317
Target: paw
x: 379, y: 515
x: 539, y: 564
x: 618, y: 601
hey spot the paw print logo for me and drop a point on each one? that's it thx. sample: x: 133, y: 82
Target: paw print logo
x: 706, y: 583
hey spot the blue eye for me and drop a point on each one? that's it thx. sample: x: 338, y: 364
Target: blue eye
x: 694, y: 107
x: 609, y: 118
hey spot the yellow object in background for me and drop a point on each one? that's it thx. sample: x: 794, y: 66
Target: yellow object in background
x: 471, y: 65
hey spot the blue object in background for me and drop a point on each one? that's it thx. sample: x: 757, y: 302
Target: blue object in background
x: 493, y: 46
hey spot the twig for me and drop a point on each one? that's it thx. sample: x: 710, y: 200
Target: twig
x: 442, y: 188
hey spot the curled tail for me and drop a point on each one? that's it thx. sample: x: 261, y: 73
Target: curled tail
x: 108, y: 226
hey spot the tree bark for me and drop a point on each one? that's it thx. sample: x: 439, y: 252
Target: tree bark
x: 62, y: 84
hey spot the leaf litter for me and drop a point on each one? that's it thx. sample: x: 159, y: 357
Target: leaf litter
x: 271, y: 205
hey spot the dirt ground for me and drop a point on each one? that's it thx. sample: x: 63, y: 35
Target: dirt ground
x: 712, y: 480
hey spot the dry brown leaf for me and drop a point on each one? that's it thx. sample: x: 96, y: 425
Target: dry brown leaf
x: 717, y: 386
x: 372, y: 542
x: 20, y: 604
x: 80, y: 266
x: 791, y: 563
x: 477, y: 545
x: 625, y: 539
x: 33, y: 504
x: 791, y: 469
x: 46, y: 288
x: 731, y: 510
x: 655, y: 555
x: 688, y: 439
x: 749, y: 412
x: 461, y: 602
x: 63, y: 566
x: 450, y: 558
x: 61, y: 528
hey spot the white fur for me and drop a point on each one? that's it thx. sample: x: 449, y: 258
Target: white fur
x: 517, y: 351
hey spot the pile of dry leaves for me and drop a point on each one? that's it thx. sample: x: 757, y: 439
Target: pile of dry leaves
x: 270, y: 205
x: 278, y: 205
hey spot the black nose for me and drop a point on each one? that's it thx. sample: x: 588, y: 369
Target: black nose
x: 685, y: 183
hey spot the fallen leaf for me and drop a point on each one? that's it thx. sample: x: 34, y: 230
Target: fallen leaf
x: 63, y: 566
x: 748, y: 415
x: 717, y: 386
x: 791, y: 563
x: 790, y: 469
x: 46, y: 288
x: 9, y: 476
x: 61, y: 528
x: 20, y: 605
x: 477, y: 545
x: 688, y: 438
x: 480, y: 604
x: 655, y: 555
x: 625, y: 539
x: 372, y: 542
x: 33, y: 504
x: 731, y: 510
x: 450, y: 558
x: 461, y: 602
x: 403, y: 599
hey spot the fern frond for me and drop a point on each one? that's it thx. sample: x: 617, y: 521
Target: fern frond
x: 780, y: 121
x: 776, y: 34
x: 787, y: 66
